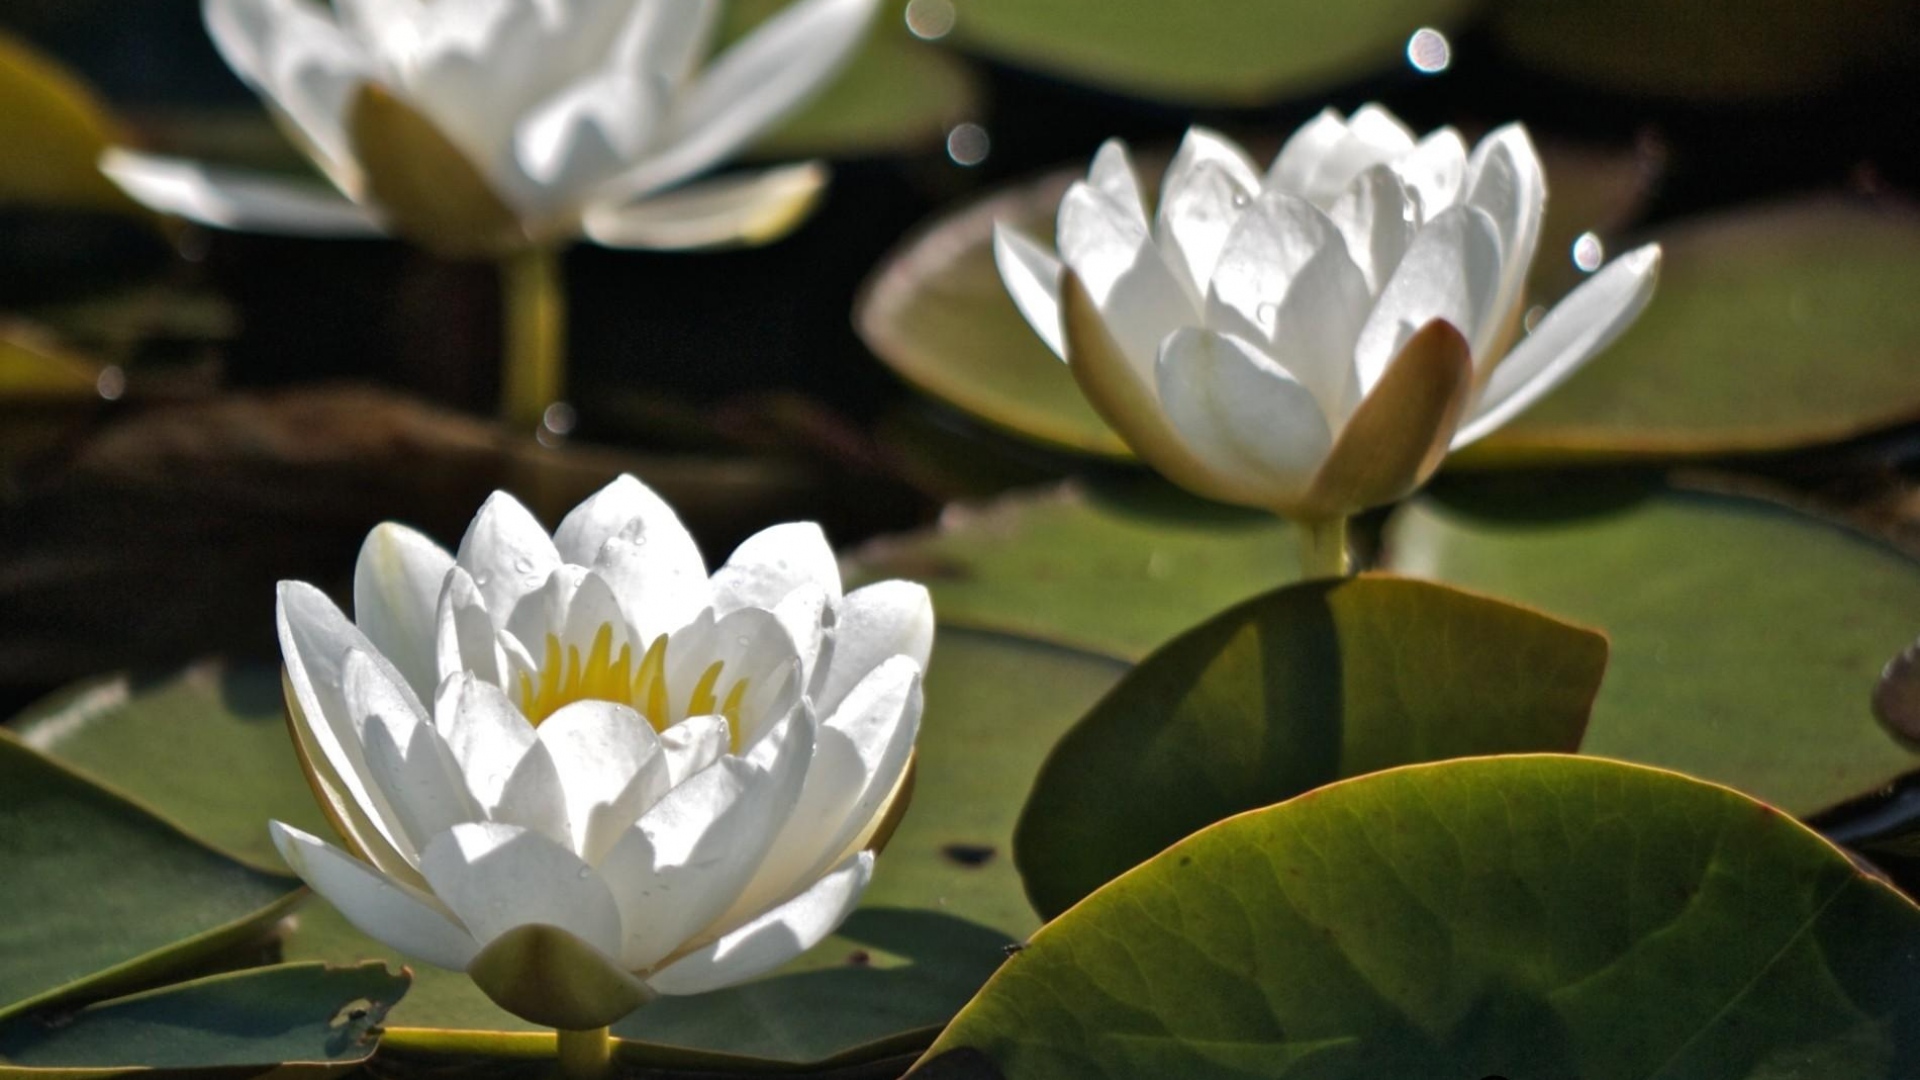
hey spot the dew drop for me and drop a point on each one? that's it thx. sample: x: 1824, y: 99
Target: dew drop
x: 523, y: 565
x: 930, y: 20
x: 585, y: 873
x: 1429, y: 51
x: 1267, y: 314
x: 1242, y: 200
x: 111, y: 384
x: 968, y: 144
x: 743, y: 641
x: 1588, y: 253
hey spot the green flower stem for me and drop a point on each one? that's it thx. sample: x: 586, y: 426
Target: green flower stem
x: 534, y: 299
x: 1323, y: 549
x: 586, y: 1055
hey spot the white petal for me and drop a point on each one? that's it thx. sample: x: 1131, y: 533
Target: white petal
x: 1583, y: 324
x: 624, y: 506
x: 751, y: 87
x: 1377, y: 215
x: 594, y: 606
x: 508, y: 554
x: 422, y: 781
x: 1270, y: 244
x: 750, y: 644
x: 497, y: 877
x: 807, y: 616
x: 1435, y: 170
x: 671, y: 38
x: 236, y: 199
x: 1374, y: 136
x: 534, y: 799
x: 859, y: 758
x: 1032, y: 277
x: 293, y: 53
x: 1508, y: 182
x: 872, y: 625
x: 465, y: 638
x: 693, y: 744
x: 1210, y: 184
x: 396, y: 598
x: 1112, y: 173
x: 546, y: 611
x: 1140, y: 298
x: 611, y: 770
x: 315, y: 642
x: 1243, y: 413
x: 590, y: 130
x: 1316, y: 327
x: 1297, y: 161
x: 707, y: 838
x: 380, y: 907
x: 745, y: 209
x: 773, y: 563
x: 773, y: 938
x: 486, y: 733
x: 1451, y: 272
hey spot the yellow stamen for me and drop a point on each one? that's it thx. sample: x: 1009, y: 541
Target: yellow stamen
x: 650, y: 686
x: 703, y: 700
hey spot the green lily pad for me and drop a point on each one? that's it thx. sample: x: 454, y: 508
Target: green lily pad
x: 307, y: 1019
x: 1520, y: 917
x: 161, y: 740
x: 1747, y: 639
x: 100, y: 895
x: 52, y: 132
x: 1785, y: 326
x: 1717, y: 50
x: 1246, y: 52
x: 1306, y: 685
x: 944, y: 900
x: 1054, y: 564
x: 898, y: 93
x: 936, y: 312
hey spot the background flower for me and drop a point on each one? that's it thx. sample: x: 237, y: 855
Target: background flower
x: 476, y: 126
x: 585, y: 771
x: 1314, y: 338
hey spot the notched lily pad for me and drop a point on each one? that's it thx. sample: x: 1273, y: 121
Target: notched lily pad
x: 1533, y: 916
x: 308, y: 1019
x: 101, y: 896
x: 1306, y: 685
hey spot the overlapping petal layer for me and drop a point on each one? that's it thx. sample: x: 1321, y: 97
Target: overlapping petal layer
x: 588, y: 733
x: 1235, y: 337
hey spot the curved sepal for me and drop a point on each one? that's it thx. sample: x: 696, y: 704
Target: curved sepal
x: 430, y: 191
x: 550, y: 977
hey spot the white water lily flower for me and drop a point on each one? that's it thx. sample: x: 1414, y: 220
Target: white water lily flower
x: 477, y: 126
x: 585, y: 772
x: 1313, y: 339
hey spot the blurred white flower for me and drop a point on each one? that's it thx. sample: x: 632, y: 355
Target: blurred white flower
x: 1312, y: 340
x: 479, y: 126
x: 584, y: 771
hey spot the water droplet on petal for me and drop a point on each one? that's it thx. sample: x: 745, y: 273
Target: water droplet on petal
x: 1267, y: 314
x: 743, y: 641
x: 585, y: 873
x: 1588, y: 253
x: 1429, y: 51
x: 523, y: 565
x: 1241, y: 200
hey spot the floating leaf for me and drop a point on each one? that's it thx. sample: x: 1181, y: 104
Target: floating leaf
x: 1247, y: 52
x: 1051, y: 564
x: 52, y: 132
x: 1746, y: 639
x: 161, y: 740
x: 936, y: 312
x: 1715, y: 50
x: 311, y: 1020
x: 897, y: 93
x: 1786, y: 326
x: 1518, y: 917
x: 100, y: 895
x: 1286, y: 693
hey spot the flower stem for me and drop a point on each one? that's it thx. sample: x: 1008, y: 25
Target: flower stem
x: 586, y: 1055
x: 534, y: 372
x: 1323, y: 549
